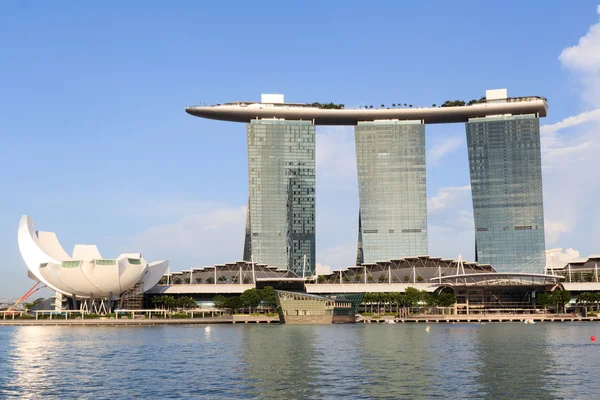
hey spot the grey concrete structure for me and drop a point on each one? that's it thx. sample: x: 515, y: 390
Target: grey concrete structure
x: 506, y: 184
x: 280, y: 228
x: 247, y: 111
x: 390, y: 157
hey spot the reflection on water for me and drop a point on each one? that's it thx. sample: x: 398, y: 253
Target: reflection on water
x: 543, y: 361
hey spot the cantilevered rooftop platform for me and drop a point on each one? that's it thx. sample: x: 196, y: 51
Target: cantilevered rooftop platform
x: 247, y: 111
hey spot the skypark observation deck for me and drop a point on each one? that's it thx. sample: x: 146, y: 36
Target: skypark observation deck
x: 247, y: 111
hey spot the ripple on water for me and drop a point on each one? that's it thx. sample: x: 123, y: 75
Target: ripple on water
x: 543, y: 361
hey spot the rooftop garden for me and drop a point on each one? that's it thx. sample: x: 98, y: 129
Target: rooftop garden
x: 328, y: 106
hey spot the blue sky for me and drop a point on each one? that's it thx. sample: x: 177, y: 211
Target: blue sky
x: 96, y: 145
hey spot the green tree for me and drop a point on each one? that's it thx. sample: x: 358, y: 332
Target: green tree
x: 370, y: 278
x: 544, y: 299
x: 433, y: 105
x: 406, y: 278
x: 561, y: 297
x: 176, y: 280
x: 233, y: 303
x: 198, y: 280
x: 267, y: 296
x: 446, y: 299
x: 412, y: 296
x: 382, y: 278
x: 220, y: 301
x: 210, y: 279
x: 393, y: 104
x: 185, y: 302
x: 251, y: 298
x: 357, y: 278
x: 322, y: 279
x: 246, y: 280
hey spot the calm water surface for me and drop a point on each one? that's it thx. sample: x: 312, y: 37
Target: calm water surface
x: 496, y: 361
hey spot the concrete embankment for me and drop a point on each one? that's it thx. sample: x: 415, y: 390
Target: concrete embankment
x: 449, y: 319
x: 140, y: 322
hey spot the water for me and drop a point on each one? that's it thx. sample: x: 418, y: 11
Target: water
x: 542, y: 361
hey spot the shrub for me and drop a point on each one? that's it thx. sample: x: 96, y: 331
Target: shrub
x: 180, y: 315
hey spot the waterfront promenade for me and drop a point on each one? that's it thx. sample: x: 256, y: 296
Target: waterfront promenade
x: 249, y: 319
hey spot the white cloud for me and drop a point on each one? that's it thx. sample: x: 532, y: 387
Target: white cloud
x: 439, y: 150
x: 583, y: 60
x: 323, y: 269
x: 554, y: 229
x: 559, y: 258
x: 569, y: 154
x: 584, y: 117
x: 448, y: 197
x: 212, y: 235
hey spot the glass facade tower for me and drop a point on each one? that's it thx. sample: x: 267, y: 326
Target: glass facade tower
x: 506, y: 183
x: 390, y: 158
x: 280, y: 226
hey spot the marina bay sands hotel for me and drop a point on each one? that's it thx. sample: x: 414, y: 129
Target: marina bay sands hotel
x: 503, y: 139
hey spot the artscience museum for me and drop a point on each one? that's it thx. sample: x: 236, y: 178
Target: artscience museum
x: 85, y: 278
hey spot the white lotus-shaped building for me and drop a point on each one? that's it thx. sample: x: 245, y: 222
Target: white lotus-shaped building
x: 85, y: 274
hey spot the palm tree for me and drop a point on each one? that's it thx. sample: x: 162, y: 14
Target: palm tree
x: 371, y: 106
x: 383, y: 106
x: 433, y: 105
x: 404, y: 104
x: 394, y: 105
x: 410, y: 105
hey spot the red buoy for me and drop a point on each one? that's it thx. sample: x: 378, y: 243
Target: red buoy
x: 593, y: 338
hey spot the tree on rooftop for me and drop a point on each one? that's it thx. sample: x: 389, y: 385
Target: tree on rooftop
x: 383, y: 105
x: 394, y: 105
x: 433, y: 105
